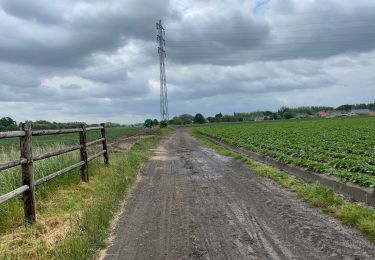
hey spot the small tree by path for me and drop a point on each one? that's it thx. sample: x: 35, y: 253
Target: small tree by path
x: 199, y: 119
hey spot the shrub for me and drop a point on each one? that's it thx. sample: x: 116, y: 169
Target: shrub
x: 163, y: 124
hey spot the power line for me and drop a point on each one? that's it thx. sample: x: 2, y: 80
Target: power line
x: 163, y: 85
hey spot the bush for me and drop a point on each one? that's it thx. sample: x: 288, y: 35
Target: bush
x: 163, y: 124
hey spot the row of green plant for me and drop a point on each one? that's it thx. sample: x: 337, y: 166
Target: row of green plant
x: 343, y: 147
x: 352, y: 214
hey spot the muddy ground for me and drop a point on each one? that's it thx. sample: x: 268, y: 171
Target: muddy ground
x: 123, y: 144
x: 192, y: 203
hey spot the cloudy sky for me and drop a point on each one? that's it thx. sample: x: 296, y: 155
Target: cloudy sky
x: 92, y: 60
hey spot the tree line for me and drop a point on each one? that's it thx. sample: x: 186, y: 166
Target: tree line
x: 282, y: 113
x: 8, y: 124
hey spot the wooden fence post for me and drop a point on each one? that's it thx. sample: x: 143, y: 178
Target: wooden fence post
x: 83, y: 153
x: 28, y: 174
x: 104, y: 142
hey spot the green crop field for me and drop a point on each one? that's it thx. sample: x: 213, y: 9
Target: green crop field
x: 344, y: 147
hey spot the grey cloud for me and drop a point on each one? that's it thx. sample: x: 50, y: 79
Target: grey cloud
x: 269, y: 78
x: 41, y: 11
x: 318, y: 31
x: 90, y: 27
x: 97, y: 60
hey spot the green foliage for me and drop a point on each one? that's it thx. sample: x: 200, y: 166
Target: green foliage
x: 184, y: 119
x: 88, y: 208
x: 11, y: 211
x: 155, y: 122
x: 286, y: 113
x: 7, y: 124
x: 344, y: 147
x: 199, y: 119
x: 347, y: 107
x: 210, y: 119
x: 220, y: 115
x: 163, y: 124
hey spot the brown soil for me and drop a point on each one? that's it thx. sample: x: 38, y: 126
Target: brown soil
x: 193, y: 203
x: 124, y: 144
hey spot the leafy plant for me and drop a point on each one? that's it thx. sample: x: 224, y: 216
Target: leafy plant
x: 344, y: 147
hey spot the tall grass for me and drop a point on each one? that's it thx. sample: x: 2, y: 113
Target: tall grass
x: 73, y: 219
x: 70, y: 139
x: 11, y: 212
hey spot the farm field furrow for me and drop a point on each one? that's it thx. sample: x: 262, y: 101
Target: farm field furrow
x: 343, y: 147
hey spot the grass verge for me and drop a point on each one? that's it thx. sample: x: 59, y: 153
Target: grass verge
x: 352, y: 214
x: 73, y: 221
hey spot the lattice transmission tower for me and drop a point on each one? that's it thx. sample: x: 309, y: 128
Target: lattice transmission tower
x: 163, y: 83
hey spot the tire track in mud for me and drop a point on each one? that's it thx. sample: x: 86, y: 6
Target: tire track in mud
x: 192, y: 203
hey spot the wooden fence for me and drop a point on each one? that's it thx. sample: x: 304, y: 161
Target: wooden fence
x: 26, y: 161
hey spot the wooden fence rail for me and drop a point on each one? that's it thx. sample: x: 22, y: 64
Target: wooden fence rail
x: 26, y: 161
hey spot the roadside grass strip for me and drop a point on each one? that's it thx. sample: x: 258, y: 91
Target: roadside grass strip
x: 73, y: 218
x: 352, y: 214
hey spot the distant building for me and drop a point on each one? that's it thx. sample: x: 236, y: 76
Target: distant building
x: 259, y: 118
x: 303, y: 115
x: 323, y: 114
x: 361, y: 111
x: 350, y: 114
x: 338, y: 114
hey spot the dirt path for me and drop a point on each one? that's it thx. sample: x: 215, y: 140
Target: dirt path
x: 192, y: 203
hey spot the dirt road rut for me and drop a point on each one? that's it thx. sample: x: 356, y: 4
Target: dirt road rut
x: 192, y: 203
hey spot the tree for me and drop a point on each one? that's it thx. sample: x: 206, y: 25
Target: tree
x: 286, y: 112
x: 274, y: 116
x: 267, y: 113
x: 184, y: 119
x: 288, y: 115
x: 345, y: 107
x: 220, y: 115
x: 199, y: 119
x: 211, y: 119
x: 7, y: 123
x: 156, y: 122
